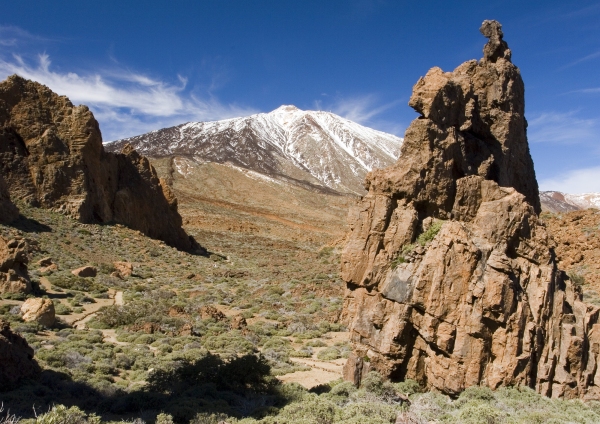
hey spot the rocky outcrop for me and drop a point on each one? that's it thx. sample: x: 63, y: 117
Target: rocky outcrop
x: 51, y: 156
x: 451, y: 277
x: 37, y: 309
x: 85, y: 271
x: 16, y: 358
x: 13, y: 266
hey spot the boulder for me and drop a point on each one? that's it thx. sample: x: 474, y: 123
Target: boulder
x: 51, y: 156
x: 39, y: 310
x: 16, y: 358
x: 13, y: 266
x: 124, y: 269
x: 238, y: 322
x: 85, y: 271
x: 451, y: 277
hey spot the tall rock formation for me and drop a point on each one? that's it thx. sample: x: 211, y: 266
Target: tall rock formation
x: 13, y: 266
x: 451, y: 278
x: 51, y: 156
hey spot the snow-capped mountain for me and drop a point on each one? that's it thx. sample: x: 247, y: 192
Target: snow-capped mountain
x: 555, y: 201
x: 317, y: 147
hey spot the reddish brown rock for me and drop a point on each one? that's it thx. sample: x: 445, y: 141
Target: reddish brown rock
x: 39, y: 310
x: 238, y: 322
x: 451, y: 277
x: 85, y: 271
x: 16, y: 358
x: 125, y: 269
x: 210, y: 312
x: 51, y: 156
x: 13, y: 266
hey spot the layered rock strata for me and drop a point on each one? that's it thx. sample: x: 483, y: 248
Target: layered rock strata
x: 51, y: 156
x: 451, y: 278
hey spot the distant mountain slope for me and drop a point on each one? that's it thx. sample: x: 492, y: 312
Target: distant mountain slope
x: 288, y: 143
x: 555, y: 201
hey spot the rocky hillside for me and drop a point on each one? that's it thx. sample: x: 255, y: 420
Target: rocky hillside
x: 51, y: 156
x: 290, y: 144
x: 555, y: 201
x: 451, y: 276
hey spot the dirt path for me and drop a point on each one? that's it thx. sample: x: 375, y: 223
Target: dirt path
x: 321, y: 372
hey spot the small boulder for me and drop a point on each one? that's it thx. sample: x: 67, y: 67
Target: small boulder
x: 124, y: 269
x: 39, y: 310
x: 85, y: 271
x: 44, y: 262
x: 238, y: 322
x: 210, y: 312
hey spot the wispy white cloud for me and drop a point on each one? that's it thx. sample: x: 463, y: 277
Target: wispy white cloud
x: 566, y: 128
x: 366, y: 110
x: 125, y: 102
x: 586, y: 180
x: 587, y: 90
x: 581, y: 60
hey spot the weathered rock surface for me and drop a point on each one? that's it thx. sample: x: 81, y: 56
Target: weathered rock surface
x: 85, y: 271
x: 51, y: 156
x: 16, y: 358
x: 37, y: 309
x: 8, y: 211
x: 124, y: 269
x: 481, y: 301
x: 13, y: 266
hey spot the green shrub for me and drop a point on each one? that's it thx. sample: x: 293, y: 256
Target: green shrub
x: 431, y: 232
x: 576, y: 278
x: 329, y: 354
x: 60, y: 414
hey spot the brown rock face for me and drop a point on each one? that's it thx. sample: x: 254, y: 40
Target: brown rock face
x: 451, y: 280
x: 13, y: 266
x: 16, y: 358
x: 51, y: 156
x: 8, y: 211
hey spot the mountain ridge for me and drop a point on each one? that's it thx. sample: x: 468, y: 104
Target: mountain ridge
x: 314, y: 146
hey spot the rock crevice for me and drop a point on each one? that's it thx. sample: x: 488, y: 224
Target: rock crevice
x: 451, y: 277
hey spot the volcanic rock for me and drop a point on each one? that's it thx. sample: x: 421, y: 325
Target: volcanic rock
x: 16, y: 357
x: 210, y: 312
x: 125, y: 269
x: 451, y: 277
x: 51, y: 156
x: 39, y: 310
x: 13, y: 266
x: 85, y: 271
x: 8, y: 211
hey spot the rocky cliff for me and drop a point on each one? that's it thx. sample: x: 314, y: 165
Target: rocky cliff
x: 8, y: 211
x: 51, y: 155
x: 451, y: 277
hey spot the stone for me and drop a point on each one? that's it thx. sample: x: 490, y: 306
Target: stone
x: 8, y: 211
x: 210, y: 312
x: 477, y: 299
x: 16, y: 357
x: 238, y: 322
x: 51, y: 156
x: 124, y: 269
x: 85, y: 271
x: 13, y: 266
x: 37, y: 309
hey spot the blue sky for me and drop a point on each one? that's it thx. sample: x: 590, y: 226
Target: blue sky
x: 144, y: 65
